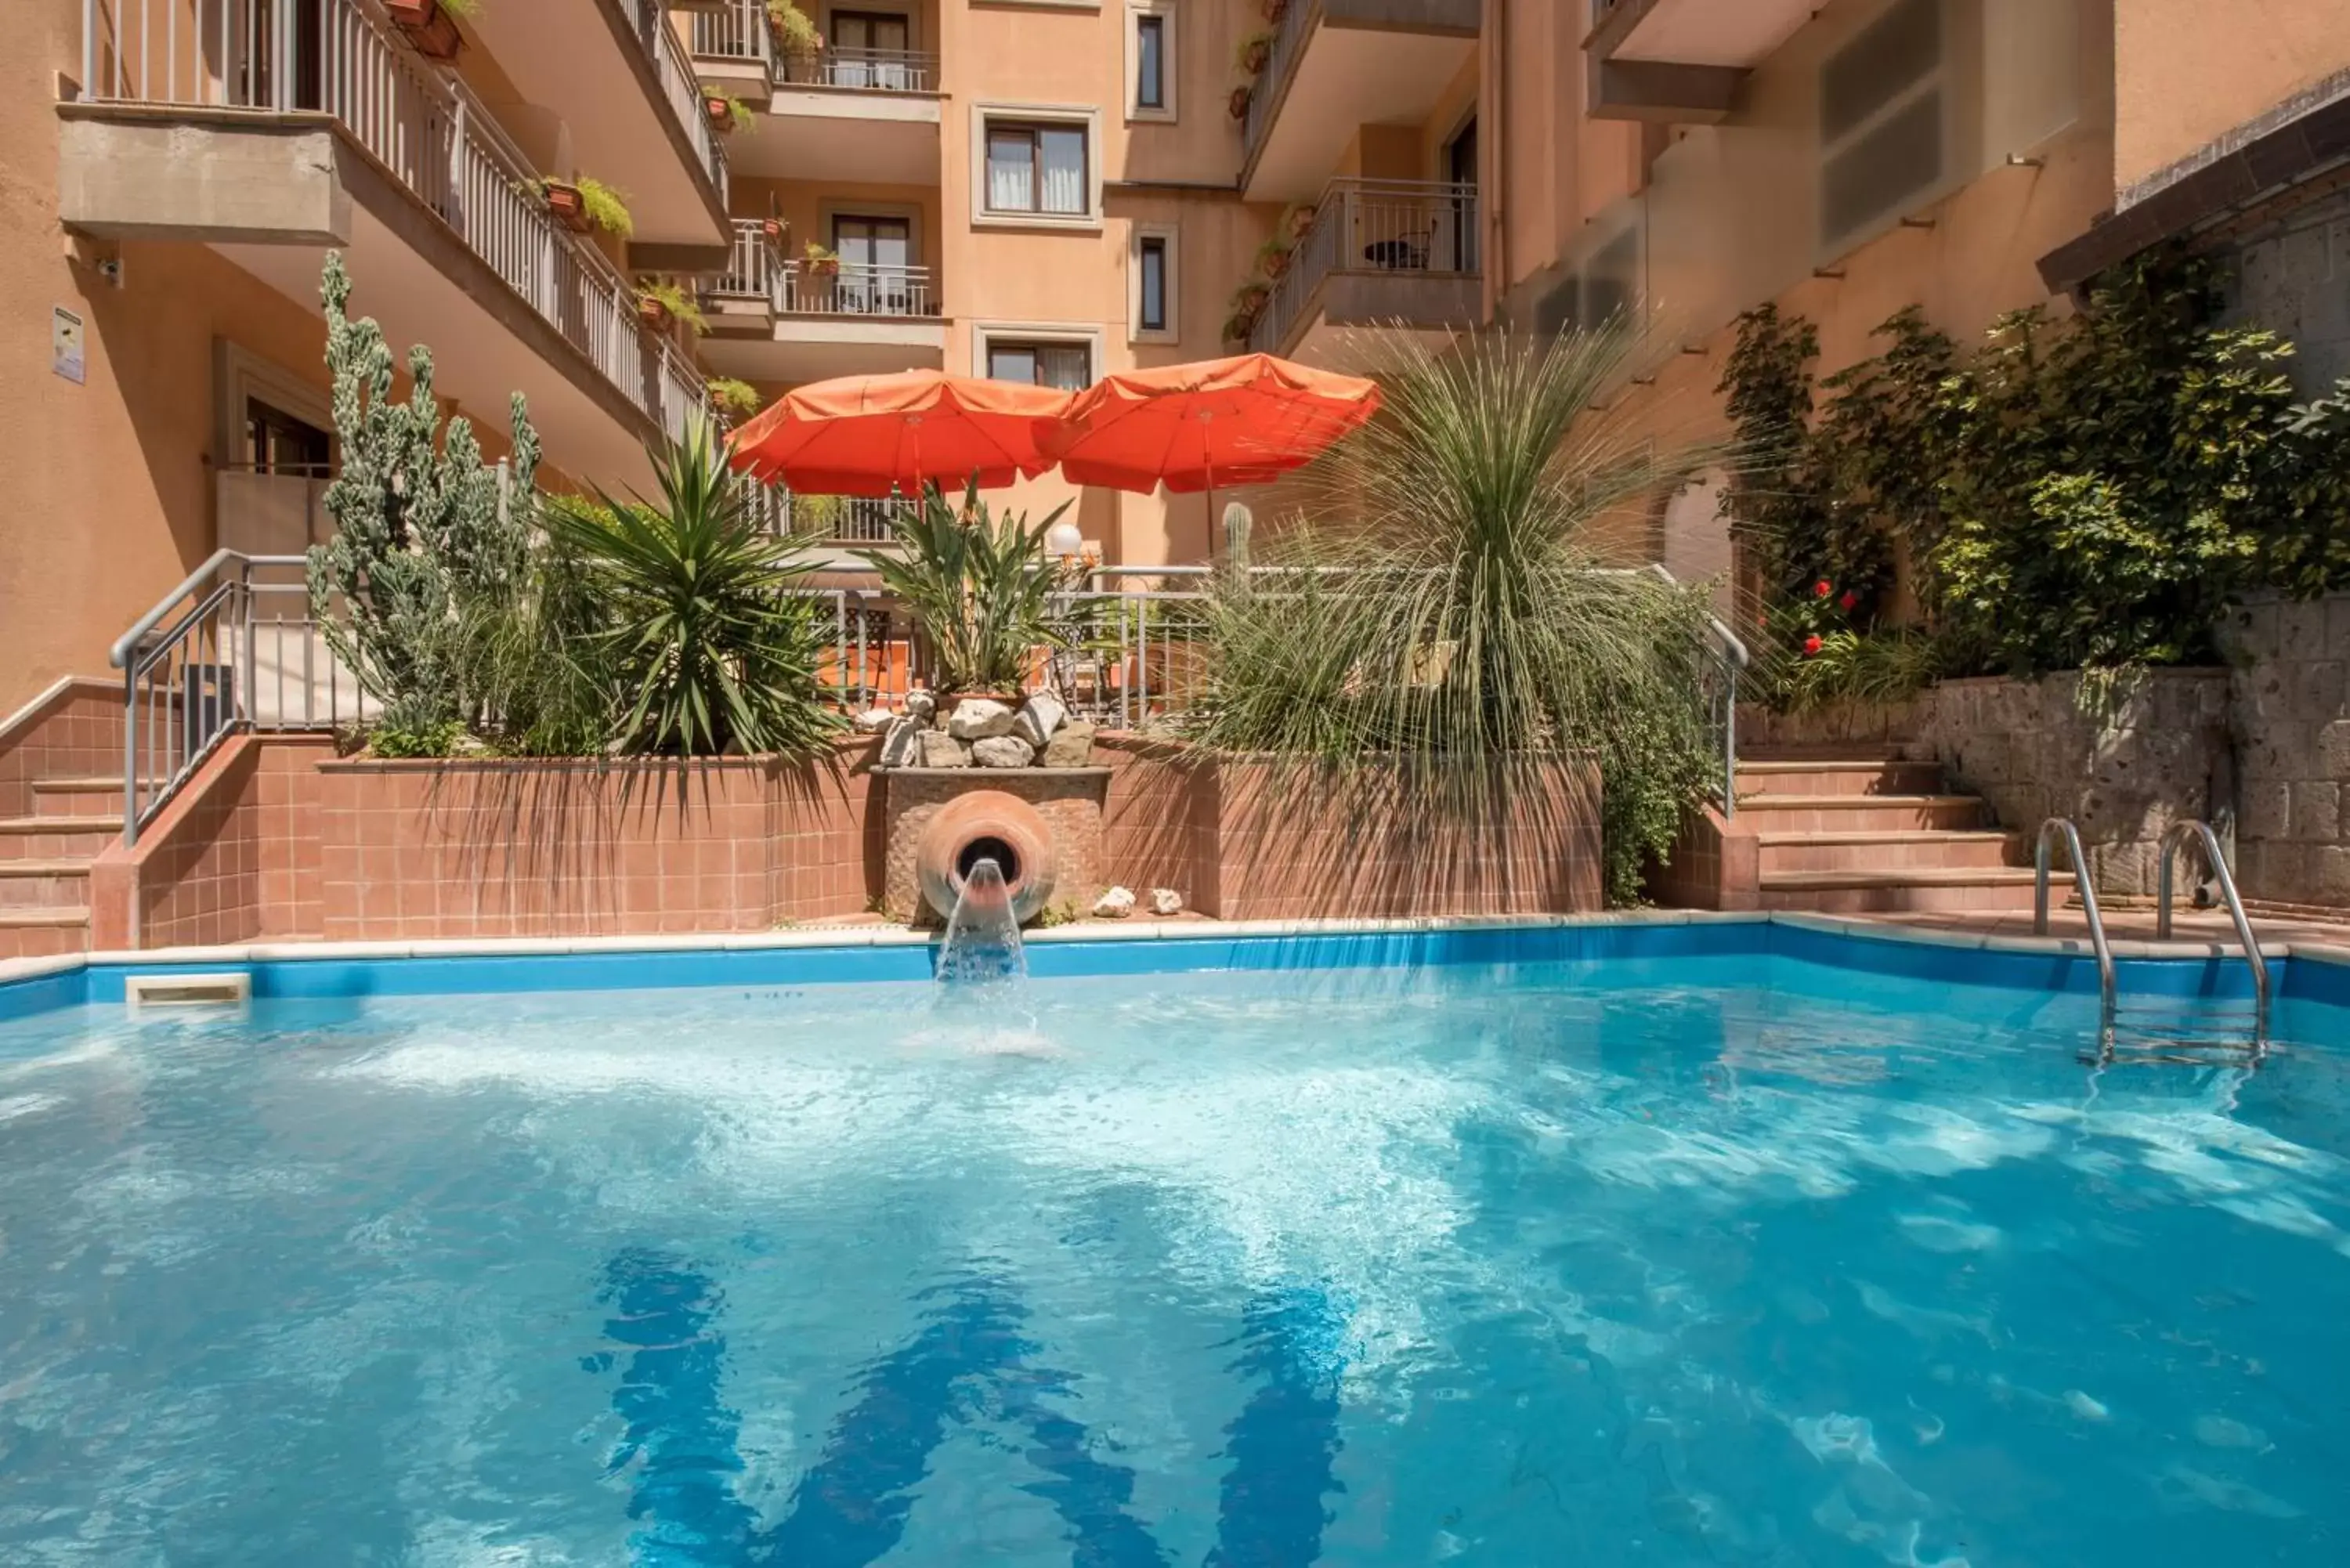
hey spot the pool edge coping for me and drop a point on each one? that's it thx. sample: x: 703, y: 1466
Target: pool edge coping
x: 14, y: 971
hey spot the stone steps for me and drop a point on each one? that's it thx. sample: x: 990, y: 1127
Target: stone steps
x: 1852, y: 832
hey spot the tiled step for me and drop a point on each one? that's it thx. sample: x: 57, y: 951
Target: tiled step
x: 56, y: 837
x: 1920, y: 891
x: 1885, y: 850
x: 44, y: 884
x: 1838, y: 776
x: 94, y: 796
x: 43, y: 934
x: 1779, y: 813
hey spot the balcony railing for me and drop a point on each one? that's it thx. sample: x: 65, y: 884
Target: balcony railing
x: 1375, y: 226
x: 1288, y: 38
x: 740, y: 31
x: 344, y: 58
x: 828, y: 519
x: 756, y: 267
x: 680, y: 88
x: 859, y: 289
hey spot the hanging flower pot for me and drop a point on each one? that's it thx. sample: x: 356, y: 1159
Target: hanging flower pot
x: 652, y: 311
x: 427, y: 26
x: 1274, y: 10
x: 819, y: 262
x: 1240, y: 101
x: 1255, y: 56
x: 721, y: 112
x: 772, y: 228
x: 566, y: 202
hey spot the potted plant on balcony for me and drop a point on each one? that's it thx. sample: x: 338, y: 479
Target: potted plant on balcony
x: 819, y: 262
x: 775, y: 229
x: 1248, y: 304
x: 1274, y: 10
x: 1272, y: 256
x: 661, y: 302
x: 1299, y: 221
x: 431, y: 25
x: 1254, y: 52
x: 795, y: 34
x: 731, y: 397
x: 1240, y: 100
x: 727, y: 113
x: 583, y: 204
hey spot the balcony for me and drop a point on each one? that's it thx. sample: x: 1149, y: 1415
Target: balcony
x: 776, y: 319
x: 852, y: 115
x: 349, y: 140
x: 1395, y: 255
x: 617, y: 74
x: 1339, y: 63
x: 1682, y: 61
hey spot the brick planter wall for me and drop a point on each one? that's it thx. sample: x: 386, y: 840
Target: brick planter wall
x: 497, y: 847
x: 1070, y: 800
x: 1244, y: 839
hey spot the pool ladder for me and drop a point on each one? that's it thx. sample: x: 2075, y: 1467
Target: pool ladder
x: 2179, y: 834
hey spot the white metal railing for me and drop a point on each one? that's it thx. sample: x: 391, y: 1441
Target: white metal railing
x: 1372, y: 226
x: 1288, y: 38
x: 756, y: 267
x: 874, y: 70
x: 233, y: 647
x: 830, y: 519
x: 682, y: 87
x: 345, y: 58
x: 858, y: 289
x: 740, y: 31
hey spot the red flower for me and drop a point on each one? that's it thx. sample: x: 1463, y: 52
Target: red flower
x: 1849, y: 600
x: 1821, y: 588
x: 1811, y: 645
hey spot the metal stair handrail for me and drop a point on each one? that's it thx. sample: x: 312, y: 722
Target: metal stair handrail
x: 2058, y: 827
x: 2179, y: 833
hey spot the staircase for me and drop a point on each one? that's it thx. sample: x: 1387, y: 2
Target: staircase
x: 1855, y: 834
x: 45, y: 864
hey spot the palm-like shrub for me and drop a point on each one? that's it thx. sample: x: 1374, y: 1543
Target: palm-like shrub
x: 690, y: 612
x: 982, y: 588
x: 1444, y: 608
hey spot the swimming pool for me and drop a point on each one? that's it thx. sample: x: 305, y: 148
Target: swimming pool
x: 1702, y: 1243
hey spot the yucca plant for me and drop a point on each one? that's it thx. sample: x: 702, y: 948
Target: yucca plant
x: 980, y: 587
x: 708, y: 643
x: 1446, y: 607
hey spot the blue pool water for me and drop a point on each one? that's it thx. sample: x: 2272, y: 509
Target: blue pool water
x: 1733, y: 1259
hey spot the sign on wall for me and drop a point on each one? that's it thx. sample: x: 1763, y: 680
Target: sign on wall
x: 66, y: 344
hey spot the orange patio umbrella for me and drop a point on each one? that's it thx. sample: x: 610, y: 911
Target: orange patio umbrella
x: 1243, y: 421
x: 868, y: 435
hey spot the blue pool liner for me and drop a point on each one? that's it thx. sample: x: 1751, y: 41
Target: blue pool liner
x: 860, y: 959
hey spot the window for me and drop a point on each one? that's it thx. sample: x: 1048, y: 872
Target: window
x: 1036, y: 168
x: 277, y: 442
x: 870, y: 49
x: 1067, y: 365
x: 1152, y: 316
x: 1151, y: 283
x: 1882, y: 129
x: 1150, y: 61
x: 1036, y: 165
x: 876, y: 262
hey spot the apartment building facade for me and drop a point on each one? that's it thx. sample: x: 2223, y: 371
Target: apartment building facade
x: 1045, y: 190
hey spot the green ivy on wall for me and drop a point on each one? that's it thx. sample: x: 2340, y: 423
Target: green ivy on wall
x: 2090, y: 492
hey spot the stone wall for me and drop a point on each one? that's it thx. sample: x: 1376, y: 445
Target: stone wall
x: 2123, y: 760
x: 2291, y: 711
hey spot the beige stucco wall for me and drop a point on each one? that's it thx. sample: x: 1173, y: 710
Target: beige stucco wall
x: 2187, y: 72
x: 111, y: 481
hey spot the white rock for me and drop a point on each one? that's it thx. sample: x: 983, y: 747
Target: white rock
x: 1166, y: 901
x: 902, y: 744
x: 1038, y: 718
x: 978, y: 719
x: 921, y: 704
x: 873, y: 720
x: 1115, y: 905
x: 941, y: 750
x: 1002, y: 751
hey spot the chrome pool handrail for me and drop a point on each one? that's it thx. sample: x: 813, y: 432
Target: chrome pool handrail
x: 2177, y: 833
x: 2055, y: 826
